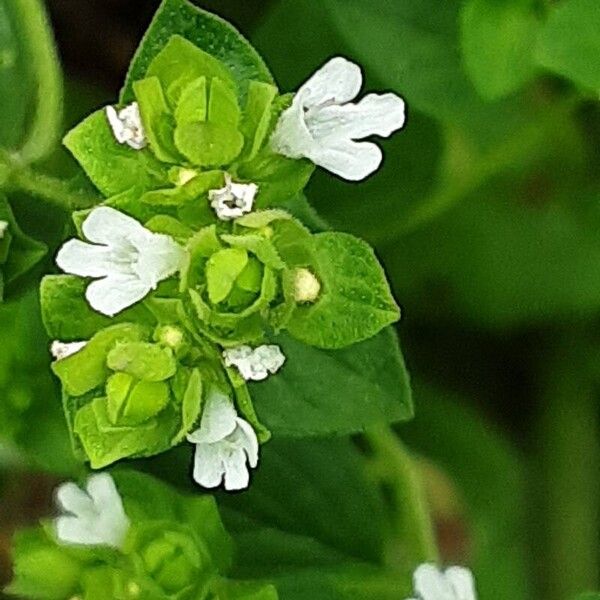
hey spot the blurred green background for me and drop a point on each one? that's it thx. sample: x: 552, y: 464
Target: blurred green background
x: 486, y: 215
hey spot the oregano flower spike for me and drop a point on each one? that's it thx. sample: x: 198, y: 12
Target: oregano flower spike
x: 129, y: 259
x: 323, y: 124
x: 453, y: 583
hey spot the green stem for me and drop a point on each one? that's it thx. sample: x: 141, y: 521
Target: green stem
x: 412, y: 523
x: 569, y: 457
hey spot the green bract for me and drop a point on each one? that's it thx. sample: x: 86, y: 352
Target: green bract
x: 128, y: 395
x: 162, y: 559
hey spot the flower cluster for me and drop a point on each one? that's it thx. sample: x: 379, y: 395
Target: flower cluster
x: 191, y: 268
x: 109, y: 541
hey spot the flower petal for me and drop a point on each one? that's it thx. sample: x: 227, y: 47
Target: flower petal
x: 208, y: 465
x: 375, y: 114
x: 430, y: 583
x: 338, y: 81
x: 106, y: 225
x: 247, y: 440
x: 462, y: 583
x: 115, y: 293
x: 347, y: 159
x: 218, y: 420
x: 160, y: 256
x: 86, y: 260
x: 74, y: 500
x: 291, y: 136
x: 237, y: 475
x: 71, y: 530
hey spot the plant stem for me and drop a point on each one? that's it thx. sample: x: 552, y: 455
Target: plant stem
x: 569, y: 457
x: 411, y: 520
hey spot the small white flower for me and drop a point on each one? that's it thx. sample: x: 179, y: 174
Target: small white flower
x: 126, y: 125
x: 257, y: 364
x: 3, y: 228
x: 322, y: 123
x: 127, y: 259
x: 455, y: 583
x: 233, y: 200
x: 60, y: 350
x: 94, y: 517
x: 225, y: 446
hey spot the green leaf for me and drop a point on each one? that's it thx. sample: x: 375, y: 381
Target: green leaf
x: 208, y: 32
x: 355, y: 302
x: 324, y: 393
x: 30, y: 80
x: 569, y: 44
x: 68, y: 317
x: 113, y: 168
x: 498, y: 39
x: 142, y: 360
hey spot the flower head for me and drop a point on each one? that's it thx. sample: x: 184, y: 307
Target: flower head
x: 233, y: 200
x: 126, y: 125
x: 322, y: 123
x: 127, y: 259
x: 225, y: 446
x: 60, y: 350
x: 257, y: 364
x: 455, y: 583
x: 94, y: 517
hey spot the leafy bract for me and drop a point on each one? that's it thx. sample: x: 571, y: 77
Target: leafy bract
x: 208, y: 32
x: 569, y: 43
x: 355, y: 301
x: 498, y: 39
x: 324, y: 393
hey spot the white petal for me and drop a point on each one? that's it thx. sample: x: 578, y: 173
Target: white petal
x: 218, y: 420
x: 115, y: 293
x: 72, y: 530
x: 208, y: 465
x: 347, y: 159
x: 270, y: 357
x: 430, y: 583
x: 160, y: 256
x: 291, y: 136
x: 72, y: 499
x: 86, y: 260
x: 60, y: 350
x: 248, y: 441
x: 462, y: 583
x: 105, y: 225
x: 117, y: 126
x: 237, y: 475
x: 338, y: 81
x: 375, y: 114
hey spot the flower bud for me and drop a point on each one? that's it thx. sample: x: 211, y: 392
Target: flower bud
x: 306, y: 286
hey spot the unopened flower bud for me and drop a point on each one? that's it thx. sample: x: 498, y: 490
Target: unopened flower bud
x: 306, y: 286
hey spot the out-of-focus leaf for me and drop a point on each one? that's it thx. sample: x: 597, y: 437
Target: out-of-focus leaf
x: 569, y: 43
x: 208, y: 32
x: 324, y: 393
x: 30, y: 80
x: 498, y: 38
x: 490, y: 479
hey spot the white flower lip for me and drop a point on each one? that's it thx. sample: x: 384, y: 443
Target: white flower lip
x: 126, y: 259
x: 60, y: 350
x: 323, y: 123
x: 233, y: 200
x: 455, y: 583
x: 94, y: 517
x: 257, y: 364
x: 126, y: 125
x: 226, y: 446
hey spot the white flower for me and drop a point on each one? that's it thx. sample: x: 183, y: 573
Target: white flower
x: 126, y: 125
x: 233, y: 200
x: 455, y: 583
x: 94, y: 517
x: 225, y: 446
x: 129, y: 259
x: 256, y: 364
x: 3, y: 228
x: 322, y: 123
x: 60, y: 350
